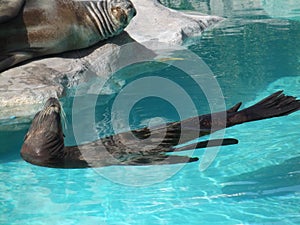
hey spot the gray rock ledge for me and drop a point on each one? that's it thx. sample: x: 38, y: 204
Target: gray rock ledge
x: 23, y: 89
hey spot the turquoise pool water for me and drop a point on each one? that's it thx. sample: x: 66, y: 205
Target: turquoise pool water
x: 255, y: 182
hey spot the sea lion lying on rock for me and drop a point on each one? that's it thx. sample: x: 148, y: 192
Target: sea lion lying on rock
x: 35, y: 28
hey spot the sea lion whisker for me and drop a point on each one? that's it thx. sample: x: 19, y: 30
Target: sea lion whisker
x: 64, y: 118
x: 42, y: 115
x: 40, y: 118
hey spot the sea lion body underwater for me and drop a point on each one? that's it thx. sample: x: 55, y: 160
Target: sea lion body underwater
x: 44, y: 142
x: 34, y: 28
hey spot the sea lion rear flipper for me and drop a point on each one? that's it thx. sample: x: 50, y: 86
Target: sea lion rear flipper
x: 275, y: 105
x: 9, y: 9
x: 13, y: 59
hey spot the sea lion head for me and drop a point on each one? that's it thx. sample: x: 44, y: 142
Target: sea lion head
x: 122, y: 12
x: 44, y: 140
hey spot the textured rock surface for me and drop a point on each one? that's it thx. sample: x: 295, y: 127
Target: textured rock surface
x: 156, y: 22
x: 24, y: 88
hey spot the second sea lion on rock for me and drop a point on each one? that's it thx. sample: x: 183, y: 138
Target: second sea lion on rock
x: 44, y: 142
x: 35, y: 28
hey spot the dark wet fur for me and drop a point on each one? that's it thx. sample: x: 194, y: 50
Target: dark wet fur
x: 44, y: 142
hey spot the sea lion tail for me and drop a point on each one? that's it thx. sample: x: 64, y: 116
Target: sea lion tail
x: 275, y: 105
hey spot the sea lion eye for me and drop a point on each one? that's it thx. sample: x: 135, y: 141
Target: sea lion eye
x: 119, y: 14
x: 116, y: 10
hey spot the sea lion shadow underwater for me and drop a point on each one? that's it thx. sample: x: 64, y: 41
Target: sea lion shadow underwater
x: 44, y: 142
x: 36, y: 28
x: 283, y: 178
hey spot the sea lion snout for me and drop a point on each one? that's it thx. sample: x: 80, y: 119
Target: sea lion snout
x: 131, y: 11
x: 53, y: 105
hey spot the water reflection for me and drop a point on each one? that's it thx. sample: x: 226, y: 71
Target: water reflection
x: 234, y: 8
x: 247, y: 53
x: 11, y: 140
x: 288, y: 9
x: 226, y: 8
x: 38, y: 195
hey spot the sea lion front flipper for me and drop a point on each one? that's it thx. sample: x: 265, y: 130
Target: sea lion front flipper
x: 160, y: 159
x: 9, y: 9
x: 209, y: 143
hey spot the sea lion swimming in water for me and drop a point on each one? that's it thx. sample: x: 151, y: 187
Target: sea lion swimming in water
x: 35, y: 28
x: 44, y: 142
